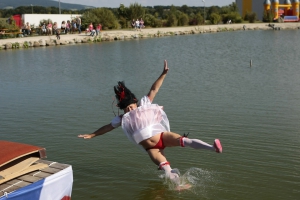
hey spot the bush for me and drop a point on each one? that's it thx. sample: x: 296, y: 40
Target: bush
x: 152, y: 21
x: 250, y: 16
x: 233, y: 16
x: 149, y: 20
x: 123, y: 22
x: 102, y: 16
x: 5, y: 25
x: 268, y: 16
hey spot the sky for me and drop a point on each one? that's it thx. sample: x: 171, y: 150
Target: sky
x: 116, y: 3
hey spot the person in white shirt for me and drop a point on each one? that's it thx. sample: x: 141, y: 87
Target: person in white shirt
x: 147, y: 125
x: 137, y: 24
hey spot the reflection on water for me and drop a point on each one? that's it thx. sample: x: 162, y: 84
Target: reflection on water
x: 50, y: 95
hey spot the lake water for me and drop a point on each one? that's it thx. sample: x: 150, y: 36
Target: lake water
x: 50, y: 95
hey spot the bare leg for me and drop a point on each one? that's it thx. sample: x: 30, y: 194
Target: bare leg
x: 158, y: 157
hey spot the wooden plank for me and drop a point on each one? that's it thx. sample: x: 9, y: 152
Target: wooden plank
x: 45, y: 161
x: 27, y: 170
x: 54, y: 164
x: 18, y: 167
x: 51, y: 170
x: 8, y: 188
x: 35, y: 172
x: 42, y: 174
x: 3, y: 186
x: 18, y: 183
x: 30, y: 179
x: 59, y: 166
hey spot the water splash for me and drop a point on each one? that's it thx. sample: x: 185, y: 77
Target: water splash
x: 198, y: 178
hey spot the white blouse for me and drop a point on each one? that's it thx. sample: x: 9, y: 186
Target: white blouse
x: 144, y: 122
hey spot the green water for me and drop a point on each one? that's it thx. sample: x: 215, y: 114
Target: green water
x: 50, y: 95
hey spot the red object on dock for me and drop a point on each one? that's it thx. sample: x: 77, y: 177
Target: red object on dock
x: 10, y: 151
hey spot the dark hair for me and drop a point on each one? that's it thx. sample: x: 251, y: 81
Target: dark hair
x: 124, y: 96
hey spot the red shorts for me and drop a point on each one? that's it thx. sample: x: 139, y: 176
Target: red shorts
x: 160, y: 144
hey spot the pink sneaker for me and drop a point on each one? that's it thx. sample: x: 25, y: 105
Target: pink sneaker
x: 218, y: 146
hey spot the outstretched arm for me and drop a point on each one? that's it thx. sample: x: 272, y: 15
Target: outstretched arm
x: 156, y: 85
x: 100, y: 131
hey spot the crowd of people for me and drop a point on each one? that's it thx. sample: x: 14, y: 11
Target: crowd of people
x: 137, y: 24
x: 26, y: 30
x: 92, y: 31
x: 47, y: 27
x: 71, y: 26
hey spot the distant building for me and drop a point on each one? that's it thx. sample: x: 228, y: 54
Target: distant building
x: 257, y: 6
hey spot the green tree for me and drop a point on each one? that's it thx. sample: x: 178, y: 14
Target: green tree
x: 172, y: 20
x: 152, y: 21
x: 185, y: 9
x: 233, y: 16
x: 183, y: 19
x: 233, y: 7
x: 103, y: 16
x: 122, y: 11
x: 172, y: 16
x: 122, y: 15
x: 135, y: 11
x: 198, y: 19
x: 215, y: 18
x: 159, y: 10
x: 211, y: 10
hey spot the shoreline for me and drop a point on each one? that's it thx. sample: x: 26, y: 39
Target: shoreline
x: 128, y: 34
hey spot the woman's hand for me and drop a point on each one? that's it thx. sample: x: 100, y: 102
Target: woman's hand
x: 166, y: 69
x: 86, y: 136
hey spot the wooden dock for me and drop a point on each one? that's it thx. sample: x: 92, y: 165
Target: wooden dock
x: 32, y: 177
x: 23, y: 171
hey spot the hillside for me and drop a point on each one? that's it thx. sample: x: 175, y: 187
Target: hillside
x: 4, y: 4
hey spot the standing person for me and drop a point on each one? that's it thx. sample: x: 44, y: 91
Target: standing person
x: 141, y: 23
x: 74, y: 26
x: 147, y: 125
x: 133, y: 24
x: 98, y: 29
x: 68, y: 27
x: 78, y: 24
x: 57, y: 33
x: 28, y: 28
x: 91, y: 29
x: 137, y: 24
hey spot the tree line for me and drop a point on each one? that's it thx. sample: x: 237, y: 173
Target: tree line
x: 156, y: 16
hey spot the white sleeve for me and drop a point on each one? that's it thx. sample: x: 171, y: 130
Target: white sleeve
x: 144, y: 101
x: 116, y: 122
